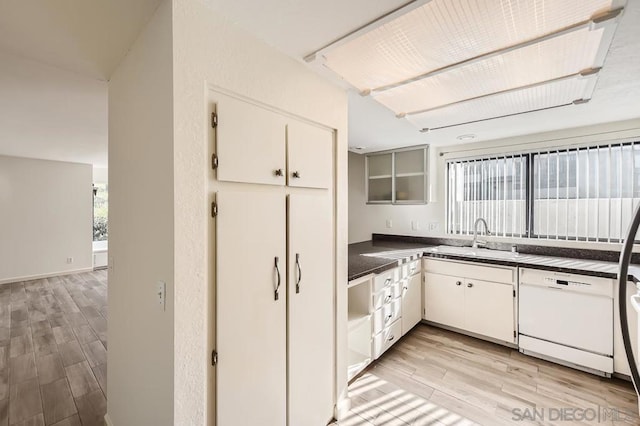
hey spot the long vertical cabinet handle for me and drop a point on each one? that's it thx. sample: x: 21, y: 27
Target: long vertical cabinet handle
x: 275, y: 293
x: 299, y: 273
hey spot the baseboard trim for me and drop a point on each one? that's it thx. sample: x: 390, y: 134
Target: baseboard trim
x: 40, y: 276
x: 107, y: 420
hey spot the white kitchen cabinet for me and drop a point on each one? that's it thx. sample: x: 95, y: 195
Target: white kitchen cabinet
x: 359, y: 325
x: 378, y: 305
x: 411, y: 302
x: 488, y: 309
x: 274, y: 264
x: 471, y: 297
x: 310, y: 297
x: 309, y: 156
x: 444, y: 299
x: 251, y: 329
x: 250, y: 142
x: 257, y: 145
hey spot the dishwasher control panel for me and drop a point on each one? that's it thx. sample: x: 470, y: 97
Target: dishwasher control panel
x: 565, y: 283
x: 574, y: 283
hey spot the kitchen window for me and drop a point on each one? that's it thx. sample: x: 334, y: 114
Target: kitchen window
x: 581, y: 194
x: 491, y: 188
x: 100, y: 211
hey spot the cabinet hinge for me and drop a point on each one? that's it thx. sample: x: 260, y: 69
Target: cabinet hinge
x: 214, y: 358
x: 214, y: 209
x: 214, y: 161
x: 514, y: 334
x: 514, y: 293
x: 214, y: 120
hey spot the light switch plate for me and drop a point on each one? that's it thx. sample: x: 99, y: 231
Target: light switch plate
x: 161, y: 293
x: 389, y: 223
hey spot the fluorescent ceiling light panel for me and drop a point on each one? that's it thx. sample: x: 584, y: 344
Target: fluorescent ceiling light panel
x: 557, y: 93
x: 444, y: 32
x: 548, y: 60
x: 439, y: 54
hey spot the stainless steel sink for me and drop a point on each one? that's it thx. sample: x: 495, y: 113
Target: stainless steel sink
x: 408, y: 254
x: 474, y: 252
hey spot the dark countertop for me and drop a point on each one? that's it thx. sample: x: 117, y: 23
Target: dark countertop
x: 360, y: 264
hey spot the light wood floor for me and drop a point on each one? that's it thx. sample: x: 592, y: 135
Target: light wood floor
x: 53, y: 359
x: 437, y: 377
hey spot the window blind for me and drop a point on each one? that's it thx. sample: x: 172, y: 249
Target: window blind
x: 587, y: 193
x: 583, y: 194
x: 491, y: 188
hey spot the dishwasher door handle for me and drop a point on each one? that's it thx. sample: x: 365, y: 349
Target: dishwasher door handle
x: 635, y: 302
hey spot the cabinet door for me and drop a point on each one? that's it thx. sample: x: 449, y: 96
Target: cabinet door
x: 310, y: 312
x: 250, y: 323
x: 309, y: 155
x: 489, y: 309
x: 444, y: 299
x: 250, y: 142
x: 411, y: 303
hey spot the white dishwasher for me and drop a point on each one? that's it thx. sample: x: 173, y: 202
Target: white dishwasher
x: 567, y: 318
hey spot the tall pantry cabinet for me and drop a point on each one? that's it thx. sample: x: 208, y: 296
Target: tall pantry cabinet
x: 274, y: 266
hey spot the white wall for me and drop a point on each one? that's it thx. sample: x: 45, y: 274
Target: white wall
x: 211, y: 51
x: 141, y: 214
x: 367, y: 219
x: 100, y: 175
x: 45, y: 218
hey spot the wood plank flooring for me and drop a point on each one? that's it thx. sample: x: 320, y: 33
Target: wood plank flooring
x: 437, y: 377
x: 53, y: 359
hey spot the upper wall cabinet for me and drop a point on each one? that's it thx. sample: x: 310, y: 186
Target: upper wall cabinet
x: 309, y: 155
x: 258, y: 145
x: 397, y: 177
x: 250, y: 143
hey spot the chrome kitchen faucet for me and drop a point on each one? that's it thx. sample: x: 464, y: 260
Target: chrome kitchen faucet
x: 480, y: 243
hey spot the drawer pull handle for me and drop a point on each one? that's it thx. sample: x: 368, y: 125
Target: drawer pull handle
x: 387, y: 281
x: 299, y: 273
x: 387, y: 299
x: 469, y: 285
x: 295, y: 175
x: 391, y: 337
x: 387, y: 318
x: 276, y: 295
x: 405, y: 288
x: 277, y: 172
x: 458, y: 282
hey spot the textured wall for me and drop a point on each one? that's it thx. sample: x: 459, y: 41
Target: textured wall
x: 211, y: 52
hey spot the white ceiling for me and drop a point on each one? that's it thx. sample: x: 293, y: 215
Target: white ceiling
x: 55, y: 59
x: 89, y: 38
x: 301, y: 27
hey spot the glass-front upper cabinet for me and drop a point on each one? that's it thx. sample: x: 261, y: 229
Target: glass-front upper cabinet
x: 380, y: 178
x: 397, y: 177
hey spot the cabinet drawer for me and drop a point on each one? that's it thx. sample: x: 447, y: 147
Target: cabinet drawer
x: 387, y: 337
x: 410, y: 269
x: 385, y: 279
x: 386, y: 315
x: 501, y: 274
x: 383, y: 297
